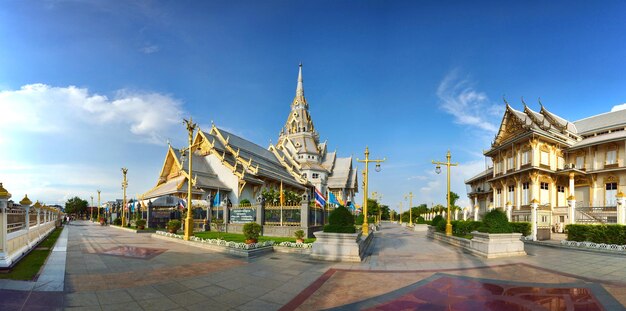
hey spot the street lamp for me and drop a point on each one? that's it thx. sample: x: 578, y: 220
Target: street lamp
x: 124, y: 185
x: 367, y: 160
x: 400, y: 212
x: 91, y: 217
x: 98, y: 205
x: 438, y: 171
x: 189, y: 220
x: 410, y: 197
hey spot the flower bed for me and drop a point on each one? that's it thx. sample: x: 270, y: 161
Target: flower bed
x: 592, y: 245
x: 238, y: 248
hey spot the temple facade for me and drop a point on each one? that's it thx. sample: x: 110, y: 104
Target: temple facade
x: 574, y: 171
x: 235, y: 170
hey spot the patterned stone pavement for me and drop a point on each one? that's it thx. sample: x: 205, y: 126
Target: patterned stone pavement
x: 111, y: 269
x: 408, y: 271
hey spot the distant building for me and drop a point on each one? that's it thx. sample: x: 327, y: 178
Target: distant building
x: 541, y: 156
x: 239, y: 170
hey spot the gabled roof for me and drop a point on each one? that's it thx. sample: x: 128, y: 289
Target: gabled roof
x: 268, y: 164
x: 601, y: 122
x: 341, y: 173
x: 485, y: 173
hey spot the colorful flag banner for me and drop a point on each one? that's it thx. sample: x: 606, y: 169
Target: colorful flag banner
x: 320, y: 200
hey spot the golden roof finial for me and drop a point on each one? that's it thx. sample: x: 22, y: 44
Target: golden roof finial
x: 26, y: 201
x: 4, y: 194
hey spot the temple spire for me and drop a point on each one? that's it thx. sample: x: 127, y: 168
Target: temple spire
x: 300, y: 88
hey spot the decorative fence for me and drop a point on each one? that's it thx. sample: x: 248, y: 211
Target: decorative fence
x: 287, y: 215
x: 15, y: 219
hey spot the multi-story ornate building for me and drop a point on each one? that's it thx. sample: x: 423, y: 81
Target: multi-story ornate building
x: 239, y: 169
x: 564, y: 166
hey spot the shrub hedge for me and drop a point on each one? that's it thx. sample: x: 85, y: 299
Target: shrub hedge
x: 496, y: 221
x: 436, y: 220
x: 340, y: 221
x: 607, y: 234
x: 521, y: 227
x: 420, y: 220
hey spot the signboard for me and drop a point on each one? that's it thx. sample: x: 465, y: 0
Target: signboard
x: 242, y: 215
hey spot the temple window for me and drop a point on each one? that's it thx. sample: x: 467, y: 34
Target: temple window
x: 525, y: 157
x: 545, y: 157
x: 611, y: 157
x: 509, y: 164
x: 610, y: 193
x: 316, y: 175
x: 580, y: 162
x: 512, y: 194
x: 525, y: 187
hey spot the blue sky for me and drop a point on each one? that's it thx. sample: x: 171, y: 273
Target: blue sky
x: 87, y: 87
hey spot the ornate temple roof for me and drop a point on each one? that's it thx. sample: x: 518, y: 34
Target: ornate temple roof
x: 601, y: 122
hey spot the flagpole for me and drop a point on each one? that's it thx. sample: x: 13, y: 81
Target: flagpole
x: 281, y: 203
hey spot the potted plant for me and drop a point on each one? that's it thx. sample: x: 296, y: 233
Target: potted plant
x: 173, y: 225
x: 299, y: 236
x: 141, y: 224
x: 251, y: 231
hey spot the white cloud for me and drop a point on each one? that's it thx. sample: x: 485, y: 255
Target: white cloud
x: 52, y: 132
x: 44, y: 108
x: 149, y: 49
x: 618, y: 107
x: 468, y: 106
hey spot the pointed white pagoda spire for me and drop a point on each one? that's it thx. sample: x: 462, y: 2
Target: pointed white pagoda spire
x: 300, y: 88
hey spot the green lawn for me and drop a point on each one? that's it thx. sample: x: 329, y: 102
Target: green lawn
x: 29, y: 266
x: 240, y: 238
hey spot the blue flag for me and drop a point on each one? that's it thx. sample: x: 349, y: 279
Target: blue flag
x: 332, y: 199
x: 216, y: 200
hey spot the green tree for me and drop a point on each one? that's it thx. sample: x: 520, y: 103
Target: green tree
x: 385, y: 212
x: 76, y: 205
x: 372, y: 207
x: 419, y: 210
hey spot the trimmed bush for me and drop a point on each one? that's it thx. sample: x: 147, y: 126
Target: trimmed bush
x: 252, y: 230
x: 420, y: 220
x: 496, y: 222
x: 173, y: 225
x: 436, y: 220
x: 607, y: 234
x: 359, y: 219
x: 117, y: 221
x: 521, y: 227
x: 340, y: 221
x: 464, y: 228
x: 441, y: 225
x: 140, y: 223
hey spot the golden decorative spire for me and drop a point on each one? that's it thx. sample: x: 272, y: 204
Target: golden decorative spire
x: 4, y: 194
x: 26, y: 201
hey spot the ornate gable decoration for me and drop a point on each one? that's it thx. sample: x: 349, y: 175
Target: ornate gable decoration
x: 511, y: 126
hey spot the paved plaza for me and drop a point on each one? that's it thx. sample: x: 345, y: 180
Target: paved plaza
x: 112, y: 269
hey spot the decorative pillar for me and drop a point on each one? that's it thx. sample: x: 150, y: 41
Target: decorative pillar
x: 509, y: 209
x: 304, y: 216
x: 4, y: 199
x: 571, y: 209
x: 476, y: 208
x: 37, y: 207
x: 465, y: 210
x: 533, y: 212
x: 456, y: 214
x: 26, y: 205
x: 621, y: 209
x: 571, y: 185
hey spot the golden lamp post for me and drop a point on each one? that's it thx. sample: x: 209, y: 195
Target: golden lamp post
x: 98, y: 205
x: 365, y: 174
x: 91, y: 217
x: 438, y: 171
x: 410, y: 197
x: 124, y: 185
x: 400, y: 212
x: 189, y: 219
